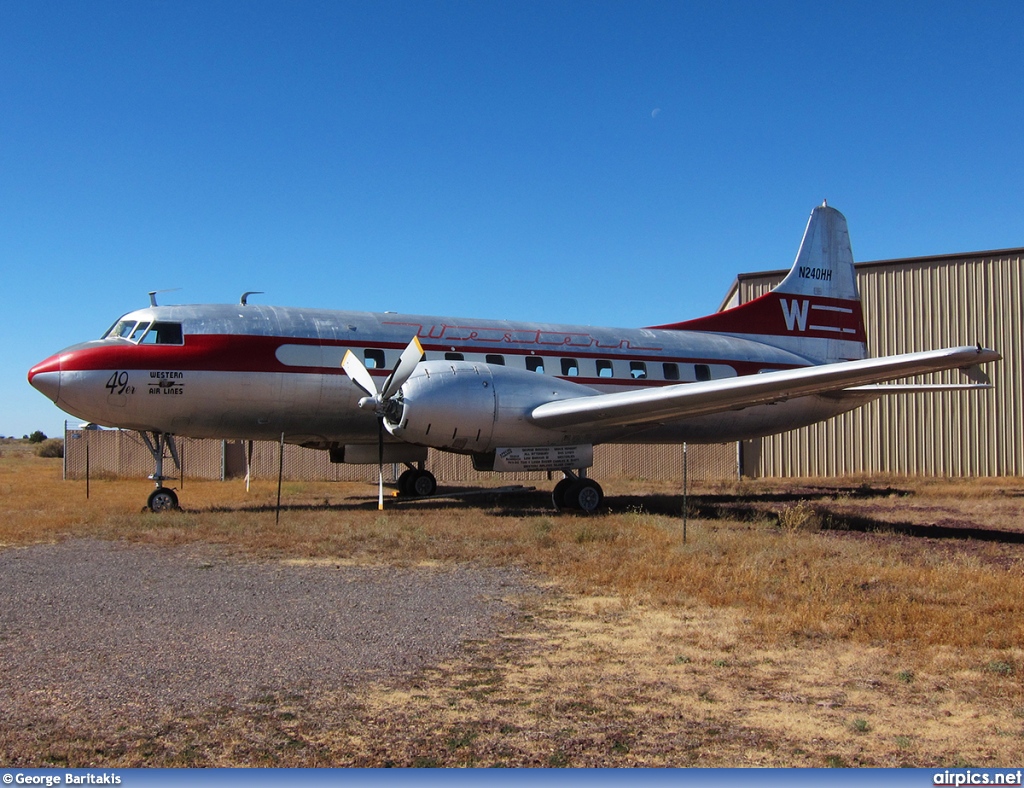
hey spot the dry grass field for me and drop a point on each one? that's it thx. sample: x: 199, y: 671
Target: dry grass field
x: 818, y: 623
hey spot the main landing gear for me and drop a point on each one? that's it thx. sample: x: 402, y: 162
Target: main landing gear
x: 578, y: 493
x: 162, y: 499
x: 416, y: 482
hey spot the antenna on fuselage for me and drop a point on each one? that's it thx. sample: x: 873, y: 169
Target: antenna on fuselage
x: 245, y: 296
x: 153, y: 293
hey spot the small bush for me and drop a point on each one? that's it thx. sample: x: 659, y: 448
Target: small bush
x: 799, y: 517
x: 53, y: 447
x: 1000, y: 668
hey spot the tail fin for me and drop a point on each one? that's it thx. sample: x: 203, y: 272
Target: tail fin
x: 815, y: 311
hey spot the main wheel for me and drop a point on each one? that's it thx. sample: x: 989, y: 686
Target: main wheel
x: 405, y: 482
x: 558, y: 494
x: 585, y: 495
x: 162, y: 499
x: 423, y: 484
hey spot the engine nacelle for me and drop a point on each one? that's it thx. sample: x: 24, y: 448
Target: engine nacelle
x: 474, y: 407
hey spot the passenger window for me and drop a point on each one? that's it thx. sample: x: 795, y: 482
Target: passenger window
x: 671, y: 370
x: 637, y: 370
x: 454, y: 357
x: 498, y: 361
x: 374, y: 358
x: 163, y: 334
x: 535, y: 364
x: 604, y: 368
x: 702, y: 371
x: 570, y: 367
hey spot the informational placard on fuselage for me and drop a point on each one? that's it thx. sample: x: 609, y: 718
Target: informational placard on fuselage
x: 544, y: 458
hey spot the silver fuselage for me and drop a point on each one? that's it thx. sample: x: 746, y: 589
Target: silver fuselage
x: 257, y: 372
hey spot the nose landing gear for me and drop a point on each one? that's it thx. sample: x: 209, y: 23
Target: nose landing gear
x: 162, y: 499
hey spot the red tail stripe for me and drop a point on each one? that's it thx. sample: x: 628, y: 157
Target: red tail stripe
x: 783, y: 314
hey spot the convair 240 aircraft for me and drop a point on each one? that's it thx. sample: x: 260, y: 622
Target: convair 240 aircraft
x: 514, y: 396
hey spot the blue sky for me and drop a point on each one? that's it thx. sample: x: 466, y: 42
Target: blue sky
x: 608, y: 163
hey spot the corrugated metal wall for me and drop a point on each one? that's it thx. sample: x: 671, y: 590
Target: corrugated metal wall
x: 911, y: 305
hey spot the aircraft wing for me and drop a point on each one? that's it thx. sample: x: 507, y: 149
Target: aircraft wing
x: 670, y: 403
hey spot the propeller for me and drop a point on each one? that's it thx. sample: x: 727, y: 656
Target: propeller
x: 379, y: 401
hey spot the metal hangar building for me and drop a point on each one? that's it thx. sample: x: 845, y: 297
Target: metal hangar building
x: 913, y: 304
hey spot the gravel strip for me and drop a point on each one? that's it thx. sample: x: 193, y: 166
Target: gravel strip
x: 108, y: 628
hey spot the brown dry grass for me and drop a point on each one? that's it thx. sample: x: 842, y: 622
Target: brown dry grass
x: 785, y: 631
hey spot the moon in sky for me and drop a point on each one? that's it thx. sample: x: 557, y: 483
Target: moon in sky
x: 655, y: 112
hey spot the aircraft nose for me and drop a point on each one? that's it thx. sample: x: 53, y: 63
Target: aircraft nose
x: 45, y: 377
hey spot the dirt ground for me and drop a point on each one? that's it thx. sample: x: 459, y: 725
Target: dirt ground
x: 849, y: 623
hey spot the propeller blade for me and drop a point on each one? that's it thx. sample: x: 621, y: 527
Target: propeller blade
x: 358, y: 373
x: 403, y: 369
x: 380, y: 463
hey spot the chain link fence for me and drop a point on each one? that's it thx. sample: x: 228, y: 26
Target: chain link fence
x: 123, y: 453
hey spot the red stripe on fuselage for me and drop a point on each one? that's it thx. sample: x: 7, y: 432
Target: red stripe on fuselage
x: 212, y: 352
x: 249, y: 353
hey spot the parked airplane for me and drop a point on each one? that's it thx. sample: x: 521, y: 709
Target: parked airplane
x: 514, y: 396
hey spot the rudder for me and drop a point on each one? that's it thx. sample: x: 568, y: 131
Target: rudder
x: 824, y: 262
x: 815, y: 311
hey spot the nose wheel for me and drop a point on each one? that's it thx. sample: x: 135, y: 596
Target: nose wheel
x: 162, y: 499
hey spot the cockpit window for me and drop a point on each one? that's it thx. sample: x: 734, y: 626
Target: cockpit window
x: 122, y: 328
x: 164, y: 334
x: 142, y: 332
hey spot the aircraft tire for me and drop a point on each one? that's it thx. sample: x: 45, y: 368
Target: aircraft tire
x: 405, y: 482
x: 585, y: 495
x: 558, y: 499
x: 162, y: 499
x: 423, y: 484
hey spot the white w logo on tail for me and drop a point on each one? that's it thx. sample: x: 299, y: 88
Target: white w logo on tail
x: 795, y: 313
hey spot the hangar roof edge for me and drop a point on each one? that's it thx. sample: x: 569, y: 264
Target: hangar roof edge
x: 780, y: 272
